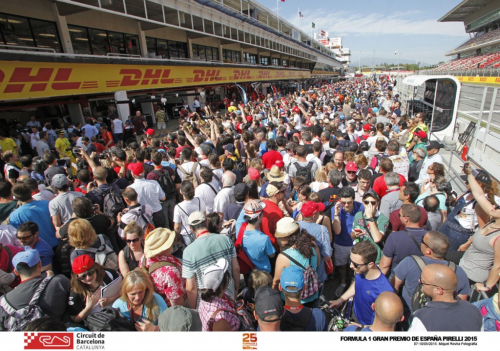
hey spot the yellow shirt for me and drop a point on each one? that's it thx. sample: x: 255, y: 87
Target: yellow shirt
x: 63, y: 145
x: 8, y: 145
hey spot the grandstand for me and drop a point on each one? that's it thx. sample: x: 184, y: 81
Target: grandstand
x: 481, y: 19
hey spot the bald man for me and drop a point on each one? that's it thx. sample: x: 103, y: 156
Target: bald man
x: 388, y: 311
x: 444, y: 312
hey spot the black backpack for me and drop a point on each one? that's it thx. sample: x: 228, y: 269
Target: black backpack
x: 166, y: 183
x: 113, y: 202
x: 62, y: 257
x: 305, y: 171
x: 328, y: 156
x: 242, y: 167
x: 109, y: 319
x: 290, y: 324
x: 419, y: 299
x: 344, y: 145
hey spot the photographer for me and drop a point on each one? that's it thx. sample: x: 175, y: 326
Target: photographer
x: 53, y: 168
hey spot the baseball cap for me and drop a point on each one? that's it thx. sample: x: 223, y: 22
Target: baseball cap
x: 253, y: 208
x: 241, y: 190
x: 61, y: 132
x: 164, y: 164
x: 179, y: 318
x: 229, y: 148
x: 238, y: 112
x: 205, y: 149
x: 351, y: 167
x: 253, y: 173
x: 310, y: 208
x: 367, y: 127
x: 371, y: 193
x: 149, y: 131
x: 292, y: 277
x: 421, y: 134
x: 483, y: 177
x: 296, y: 109
x: 30, y: 257
x: 279, y: 163
x: 268, y: 304
x: 82, y: 264
x: 59, y: 181
x: 249, y: 119
x: 434, y: 144
x: 274, y: 187
x: 136, y: 168
x: 196, y: 218
x: 213, y: 275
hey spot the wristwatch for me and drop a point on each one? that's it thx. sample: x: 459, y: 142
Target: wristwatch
x: 370, y: 219
x: 487, y: 287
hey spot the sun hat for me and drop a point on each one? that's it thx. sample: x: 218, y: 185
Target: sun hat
x: 285, y: 227
x: 157, y: 241
x: 275, y: 174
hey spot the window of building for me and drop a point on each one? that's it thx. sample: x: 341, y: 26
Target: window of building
x: 231, y: 56
x: 80, y: 40
x: 99, y: 41
x: 285, y: 63
x: 264, y: 60
x: 276, y: 61
x: 250, y: 58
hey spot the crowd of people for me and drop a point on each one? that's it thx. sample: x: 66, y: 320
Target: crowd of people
x: 244, y: 218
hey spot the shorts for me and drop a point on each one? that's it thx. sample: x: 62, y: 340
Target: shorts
x: 161, y: 125
x: 118, y: 136
x: 341, y: 254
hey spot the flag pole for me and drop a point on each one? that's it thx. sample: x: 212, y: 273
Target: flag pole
x: 278, y: 13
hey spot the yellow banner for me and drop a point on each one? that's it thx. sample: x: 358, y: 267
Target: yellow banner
x: 24, y: 80
x: 479, y: 80
x: 325, y: 73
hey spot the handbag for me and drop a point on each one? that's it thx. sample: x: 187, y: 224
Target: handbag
x: 328, y: 262
x: 246, y: 265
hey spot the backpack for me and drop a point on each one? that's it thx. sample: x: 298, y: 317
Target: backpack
x: 242, y: 167
x: 290, y: 324
x: 155, y: 265
x: 113, y: 202
x: 311, y: 278
x: 344, y: 145
x: 104, y: 255
x: 17, y: 319
x: 166, y: 184
x: 305, y: 171
x: 419, y: 299
x: 328, y: 156
x: 62, y: 257
x: 246, y: 265
x: 143, y: 220
x: 108, y: 319
x: 246, y: 321
x: 191, y: 176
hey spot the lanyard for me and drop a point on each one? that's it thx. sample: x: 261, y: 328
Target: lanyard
x: 203, y: 232
x: 293, y: 309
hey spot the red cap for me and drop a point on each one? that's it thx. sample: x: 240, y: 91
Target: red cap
x: 82, y: 264
x: 367, y: 127
x: 421, y: 134
x: 279, y: 163
x: 253, y: 173
x: 149, y: 131
x: 310, y: 208
x: 296, y: 109
x: 136, y: 168
x: 351, y: 167
x: 249, y: 119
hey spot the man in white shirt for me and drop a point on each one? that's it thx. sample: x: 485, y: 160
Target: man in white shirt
x: 297, y: 120
x: 117, y: 129
x: 187, y: 165
x: 42, y: 147
x: 226, y: 194
x: 208, y: 189
x: 433, y: 156
x: 149, y: 193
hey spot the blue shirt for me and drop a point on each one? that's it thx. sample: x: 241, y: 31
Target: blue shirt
x: 366, y: 292
x: 38, y: 212
x: 346, y: 222
x: 262, y: 148
x: 122, y: 306
x: 44, y: 250
x: 258, y: 247
x: 322, y: 236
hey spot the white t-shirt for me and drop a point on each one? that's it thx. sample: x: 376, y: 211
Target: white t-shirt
x: 224, y: 198
x: 372, y: 140
x: 187, y: 167
x: 207, y: 192
x: 298, y: 121
x: 118, y: 126
x: 311, y: 157
x: 184, y: 209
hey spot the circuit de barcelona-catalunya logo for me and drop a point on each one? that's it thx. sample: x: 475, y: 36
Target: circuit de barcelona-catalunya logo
x: 52, y: 341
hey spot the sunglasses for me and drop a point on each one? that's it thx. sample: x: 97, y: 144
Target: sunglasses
x: 351, y: 172
x: 86, y: 274
x: 346, y: 202
x: 370, y: 202
x: 132, y: 241
x: 22, y: 238
x: 357, y: 265
x: 423, y: 242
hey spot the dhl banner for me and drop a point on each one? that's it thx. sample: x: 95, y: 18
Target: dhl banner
x: 480, y: 80
x: 325, y: 73
x: 25, y: 80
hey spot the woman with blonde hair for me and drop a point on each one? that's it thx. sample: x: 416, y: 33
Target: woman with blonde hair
x: 320, y: 180
x: 82, y: 236
x: 87, y: 280
x: 128, y: 258
x: 361, y: 161
x: 138, y: 302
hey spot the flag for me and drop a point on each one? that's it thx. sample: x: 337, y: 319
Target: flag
x: 282, y: 0
x: 323, y: 33
x: 313, y: 25
x: 300, y: 13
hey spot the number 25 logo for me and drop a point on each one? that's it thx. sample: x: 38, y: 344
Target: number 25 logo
x: 249, y: 341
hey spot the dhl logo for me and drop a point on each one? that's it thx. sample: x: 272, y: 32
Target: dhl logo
x: 264, y: 74
x: 280, y: 74
x: 241, y: 74
x: 208, y: 75
x: 39, y: 80
x: 133, y: 77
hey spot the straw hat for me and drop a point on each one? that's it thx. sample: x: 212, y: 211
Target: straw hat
x: 158, y: 241
x: 275, y: 175
x: 285, y: 227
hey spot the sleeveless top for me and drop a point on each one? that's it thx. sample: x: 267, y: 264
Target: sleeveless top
x: 130, y: 259
x: 478, y: 259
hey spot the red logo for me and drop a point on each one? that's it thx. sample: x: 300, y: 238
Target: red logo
x: 42, y: 341
x: 249, y: 341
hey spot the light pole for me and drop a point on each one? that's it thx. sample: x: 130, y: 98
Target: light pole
x: 359, y: 63
x: 399, y: 57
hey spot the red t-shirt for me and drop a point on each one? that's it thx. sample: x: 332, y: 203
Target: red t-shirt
x: 396, y: 224
x: 380, y: 187
x: 108, y: 137
x: 270, y: 158
x: 272, y: 214
x: 100, y: 148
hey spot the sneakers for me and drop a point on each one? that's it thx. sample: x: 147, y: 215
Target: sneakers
x: 340, y: 290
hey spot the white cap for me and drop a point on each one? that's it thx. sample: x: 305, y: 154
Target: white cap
x: 213, y: 275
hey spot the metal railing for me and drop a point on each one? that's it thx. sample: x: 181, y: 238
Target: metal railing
x: 477, y: 72
x: 26, y: 48
x: 122, y: 55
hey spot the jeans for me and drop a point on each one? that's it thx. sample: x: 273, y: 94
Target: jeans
x: 168, y: 211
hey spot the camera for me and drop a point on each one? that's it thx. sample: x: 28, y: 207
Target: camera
x: 76, y: 151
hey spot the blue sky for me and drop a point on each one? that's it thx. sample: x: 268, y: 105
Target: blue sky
x: 384, y: 26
